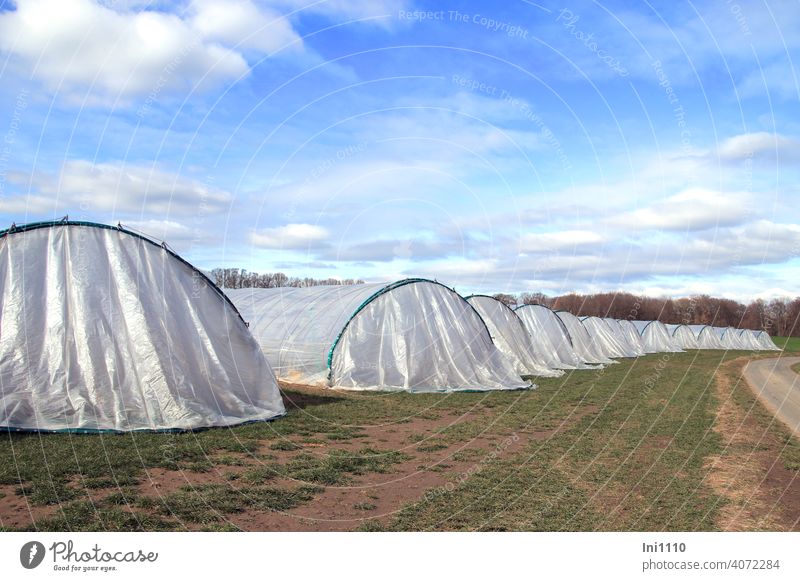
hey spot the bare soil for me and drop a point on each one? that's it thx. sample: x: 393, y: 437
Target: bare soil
x: 762, y: 493
x: 369, y: 497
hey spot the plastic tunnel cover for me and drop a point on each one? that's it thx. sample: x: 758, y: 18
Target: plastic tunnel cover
x: 631, y: 334
x: 582, y: 341
x: 625, y: 335
x: 706, y: 337
x: 550, y: 337
x: 656, y: 337
x: 683, y: 336
x: 607, y: 339
x: 104, y: 329
x: 511, y: 336
x: 415, y: 335
x: 729, y: 338
x: 766, y: 342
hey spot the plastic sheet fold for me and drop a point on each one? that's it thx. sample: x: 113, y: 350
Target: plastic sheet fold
x: 729, y: 338
x: 683, y: 336
x: 551, y: 338
x: 511, y: 337
x: 102, y: 329
x: 632, y: 336
x: 656, y: 338
x: 607, y: 338
x: 765, y: 341
x: 582, y: 341
x: 412, y: 335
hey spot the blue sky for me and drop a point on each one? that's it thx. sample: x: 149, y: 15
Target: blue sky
x: 497, y: 147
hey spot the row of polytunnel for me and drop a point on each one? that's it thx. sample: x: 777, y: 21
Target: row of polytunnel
x: 420, y: 335
x: 105, y: 329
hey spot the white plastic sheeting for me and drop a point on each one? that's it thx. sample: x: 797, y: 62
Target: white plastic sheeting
x: 550, y: 337
x: 729, y: 338
x: 632, y: 336
x: 707, y: 338
x: 655, y: 337
x: 621, y: 337
x: 605, y: 337
x: 582, y: 342
x: 683, y: 336
x: 765, y: 341
x: 748, y: 340
x: 102, y: 329
x: 633, y: 348
x: 413, y: 335
x: 511, y: 336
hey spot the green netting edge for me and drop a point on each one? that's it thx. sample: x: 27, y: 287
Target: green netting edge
x: 11, y: 430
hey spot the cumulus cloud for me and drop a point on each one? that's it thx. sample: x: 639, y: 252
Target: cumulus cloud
x: 691, y: 210
x: 83, y: 187
x: 242, y: 24
x: 712, y: 252
x: 386, y: 250
x: 290, y: 237
x: 458, y: 269
x: 168, y: 230
x: 759, y: 242
x: 759, y: 145
x: 554, y: 241
x: 89, y: 50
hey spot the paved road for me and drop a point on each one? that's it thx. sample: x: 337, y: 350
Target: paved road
x: 774, y: 382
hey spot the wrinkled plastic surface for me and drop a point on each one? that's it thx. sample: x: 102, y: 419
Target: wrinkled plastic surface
x: 765, y: 341
x: 582, y: 342
x: 632, y: 336
x: 707, y: 338
x: 633, y: 348
x: 656, y: 338
x: 550, y: 337
x: 729, y: 338
x: 411, y: 335
x: 683, y: 336
x: 748, y: 339
x: 102, y: 330
x: 606, y: 339
x: 511, y: 336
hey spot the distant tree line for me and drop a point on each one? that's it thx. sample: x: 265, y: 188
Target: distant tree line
x: 779, y: 317
x: 241, y: 278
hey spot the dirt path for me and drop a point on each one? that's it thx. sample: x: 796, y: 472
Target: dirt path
x: 761, y: 493
x: 778, y: 387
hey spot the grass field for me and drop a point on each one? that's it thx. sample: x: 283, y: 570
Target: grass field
x: 659, y: 443
x: 788, y: 343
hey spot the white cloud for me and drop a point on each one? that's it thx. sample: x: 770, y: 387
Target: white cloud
x: 167, y: 230
x: 552, y: 241
x: 242, y: 24
x: 692, y: 209
x: 455, y: 269
x: 777, y: 79
x: 86, y: 50
x: 756, y: 243
x: 104, y: 188
x: 759, y: 145
x: 289, y: 237
x: 103, y: 52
